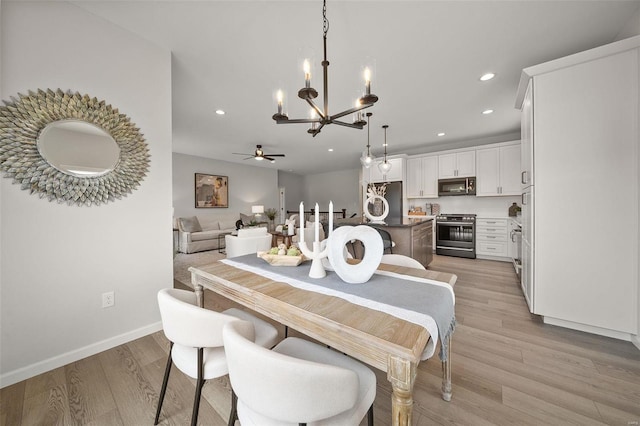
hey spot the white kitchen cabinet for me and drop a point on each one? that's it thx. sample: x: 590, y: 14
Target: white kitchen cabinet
x: 374, y: 175
x: 457, y: 164
x: 498, y: 170
x: 584, y: 132
x: 492, y: 238
x: 526, y: 139
x: 422, y: 177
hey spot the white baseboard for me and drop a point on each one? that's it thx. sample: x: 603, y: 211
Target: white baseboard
x: 636, y: 341
x: 589, y: 329
x: 43, y: 366
x: 489, y: 257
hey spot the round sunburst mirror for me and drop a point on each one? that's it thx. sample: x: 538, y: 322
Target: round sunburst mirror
x: 70, y: 148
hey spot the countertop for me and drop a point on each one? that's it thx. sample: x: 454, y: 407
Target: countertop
x: 403, y: 222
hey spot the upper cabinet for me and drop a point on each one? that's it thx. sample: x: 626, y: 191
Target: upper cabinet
x: 422, y: 177
x: 374, y: 175
x: 498, y: 170
x: 457, y: 164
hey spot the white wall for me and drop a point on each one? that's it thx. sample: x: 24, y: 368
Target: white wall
x: 58, y: 259
x: 248, y: 185
x: 631, y: 28
x: 340, y: 187
x: 294, y: 190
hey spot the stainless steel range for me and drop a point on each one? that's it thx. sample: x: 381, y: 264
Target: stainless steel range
x: 456, y: 235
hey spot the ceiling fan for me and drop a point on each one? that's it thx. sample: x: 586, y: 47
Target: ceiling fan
x: 260, y: 155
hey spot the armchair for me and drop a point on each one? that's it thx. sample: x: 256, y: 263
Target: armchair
x: 248, y: 240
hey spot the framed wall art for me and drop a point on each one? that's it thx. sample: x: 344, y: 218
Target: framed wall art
x: 212, y: 191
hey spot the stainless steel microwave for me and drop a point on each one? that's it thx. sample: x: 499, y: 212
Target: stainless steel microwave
x: 457, y: 186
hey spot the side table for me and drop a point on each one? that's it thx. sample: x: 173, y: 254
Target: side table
x: 222, y: 245
x: 275, y: 236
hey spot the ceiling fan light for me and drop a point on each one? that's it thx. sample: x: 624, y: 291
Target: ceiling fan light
x: 259, y: 158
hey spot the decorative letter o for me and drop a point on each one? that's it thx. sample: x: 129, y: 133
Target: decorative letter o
x: 373, y: 249
x: 385, y: 209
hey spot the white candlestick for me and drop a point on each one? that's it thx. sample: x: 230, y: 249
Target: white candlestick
x: 330, y: 217
x: 301, y: 222
x: 317, y: 223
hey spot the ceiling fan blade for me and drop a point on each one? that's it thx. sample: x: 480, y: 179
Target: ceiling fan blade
x: 239, y: 153
x: 248, y: 158
x: 275, y: 155
x: 268, y: 158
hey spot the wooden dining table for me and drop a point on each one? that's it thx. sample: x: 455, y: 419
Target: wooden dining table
x: 378, y: 339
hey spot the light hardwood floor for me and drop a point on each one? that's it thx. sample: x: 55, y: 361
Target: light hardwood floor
x: 508, y: 369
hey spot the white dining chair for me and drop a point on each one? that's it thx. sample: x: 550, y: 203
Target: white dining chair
x: 296, y: 383
x: 401, y: 260
x: 196, y: 341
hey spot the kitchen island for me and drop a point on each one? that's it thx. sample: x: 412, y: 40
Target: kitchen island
x: 413, y: 237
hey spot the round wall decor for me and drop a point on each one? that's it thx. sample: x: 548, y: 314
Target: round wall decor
x: 22, y: 151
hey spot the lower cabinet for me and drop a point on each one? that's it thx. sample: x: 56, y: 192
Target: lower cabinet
x: 415, y: 241
x: 492, y: 237
x: 422, y: 243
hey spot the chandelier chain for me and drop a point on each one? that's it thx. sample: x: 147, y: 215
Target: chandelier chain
x: 325, y: 21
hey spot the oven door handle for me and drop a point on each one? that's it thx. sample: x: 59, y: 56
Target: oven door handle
x: 454, y: 248
x: 454, y: 223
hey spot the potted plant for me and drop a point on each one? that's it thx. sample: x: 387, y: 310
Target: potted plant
x: 271, y: 214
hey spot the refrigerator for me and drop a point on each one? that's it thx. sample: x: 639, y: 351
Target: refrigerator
x: 393, y: 195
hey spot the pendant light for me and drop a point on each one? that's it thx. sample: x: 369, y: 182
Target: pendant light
x: 367, y: 159
x: 385, y: 166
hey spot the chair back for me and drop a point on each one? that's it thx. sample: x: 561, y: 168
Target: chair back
x: 387, y: 242
x: 401, y: 260
x: 186, y: 324
x: 284, y: 388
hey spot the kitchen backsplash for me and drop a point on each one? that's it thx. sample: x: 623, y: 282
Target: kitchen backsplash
x: 481, y: 206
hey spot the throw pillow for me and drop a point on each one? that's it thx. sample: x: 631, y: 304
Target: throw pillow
x: 190, y: 224
x: 246, y: 219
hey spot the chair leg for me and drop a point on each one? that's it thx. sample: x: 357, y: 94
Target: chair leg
x: 370, y: 416
x: 199, y: 384
x: 167, y: 370
x: 233, y: 416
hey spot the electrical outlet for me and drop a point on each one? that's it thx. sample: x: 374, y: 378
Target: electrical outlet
x: 108, y: 299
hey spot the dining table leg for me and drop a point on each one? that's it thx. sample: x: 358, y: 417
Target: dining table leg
x: 199, y: 291
x: 446, y: 371
x: 402, y: 375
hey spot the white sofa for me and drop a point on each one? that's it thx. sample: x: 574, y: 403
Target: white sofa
x: 200, y: 233
x: 248, y: 240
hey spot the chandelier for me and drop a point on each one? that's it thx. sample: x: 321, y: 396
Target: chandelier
x: 367, y: 159
x: 320, y: 117
x: 385, y: 166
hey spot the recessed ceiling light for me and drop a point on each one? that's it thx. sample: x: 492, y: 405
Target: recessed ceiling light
x: 487, y: 111
x: 330, y: 150
x: 488, y: 76
x: 219, y: 112
x: 441, y: 134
